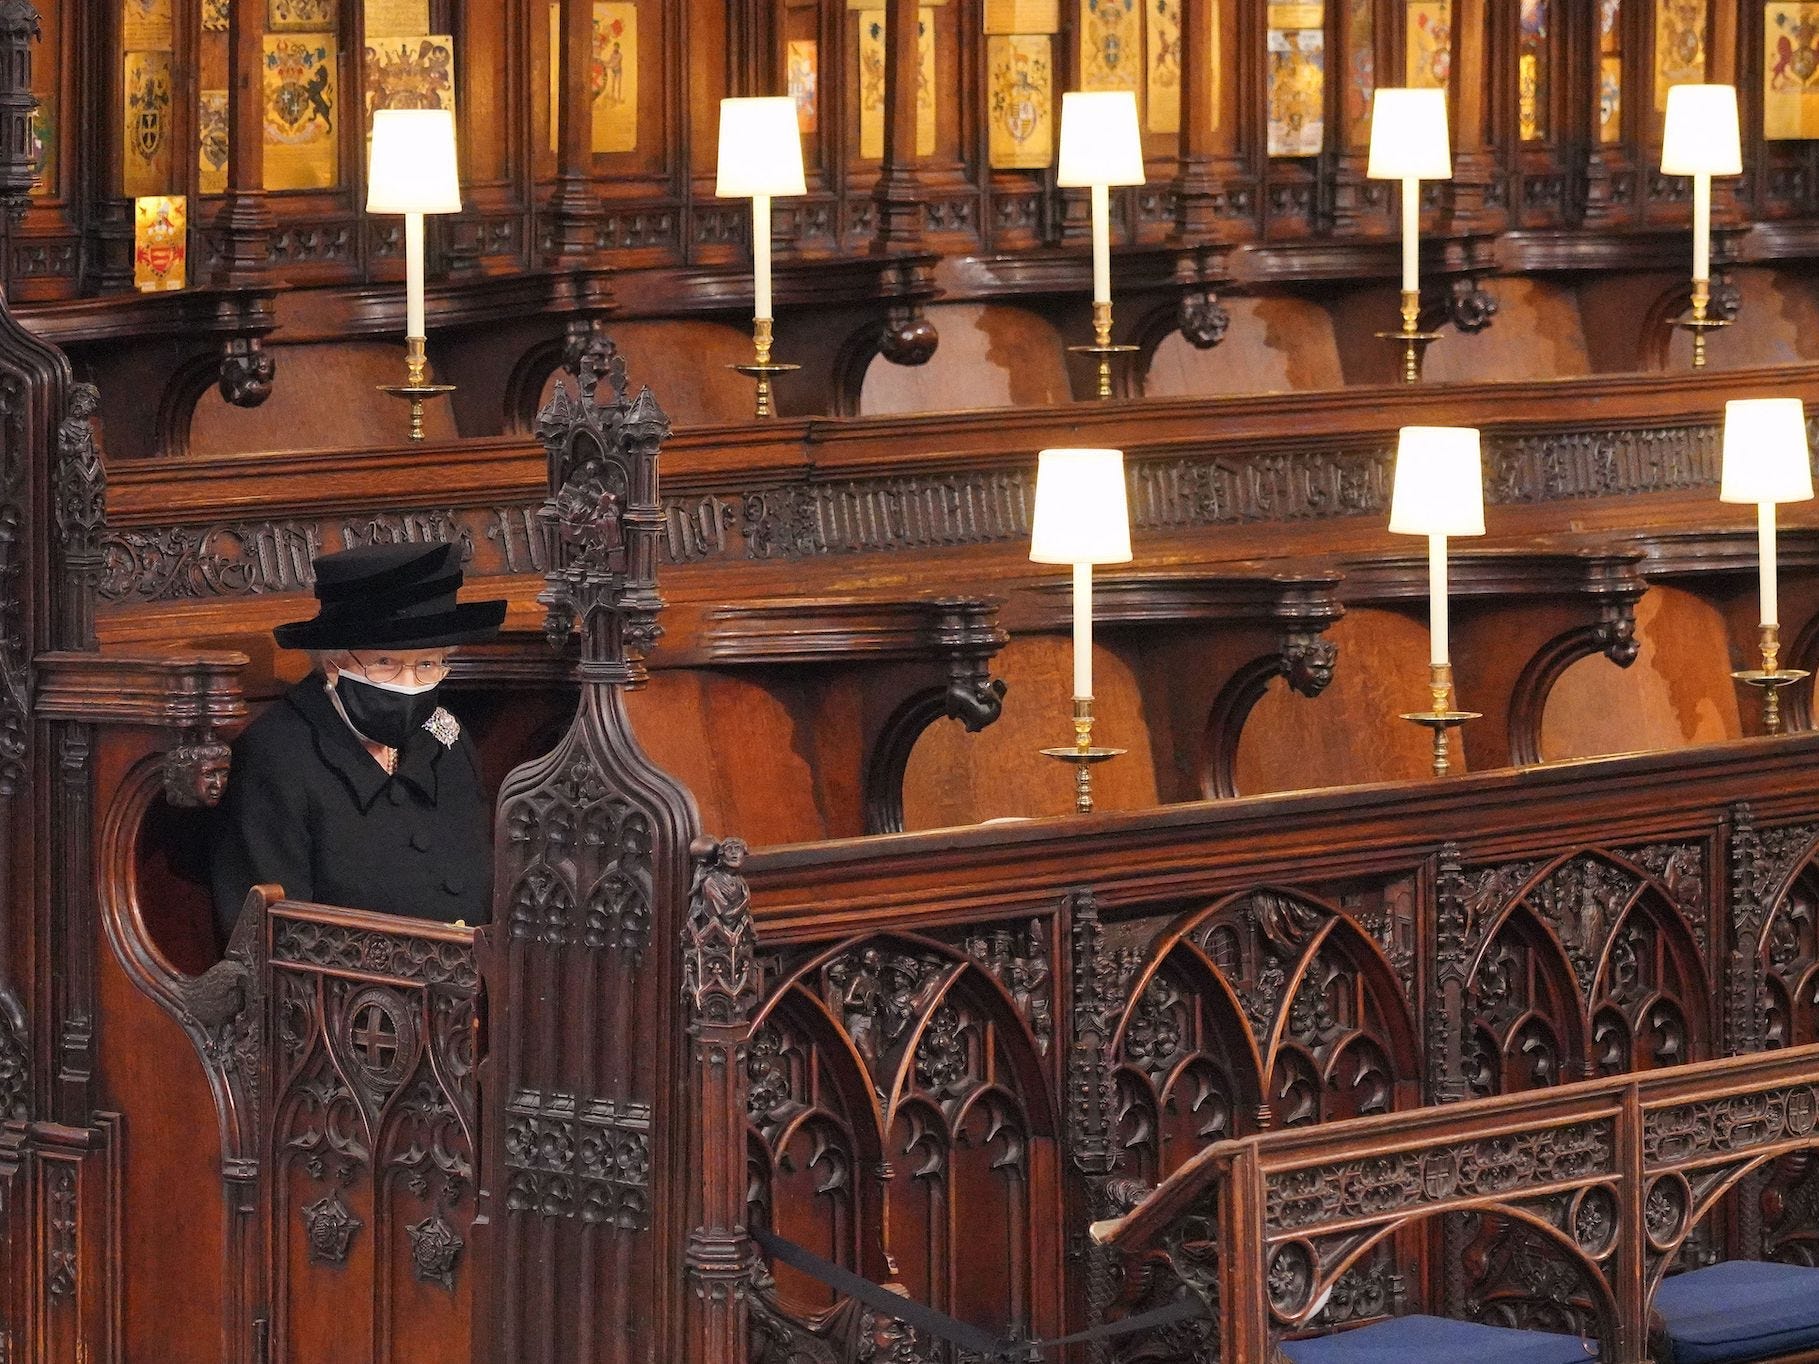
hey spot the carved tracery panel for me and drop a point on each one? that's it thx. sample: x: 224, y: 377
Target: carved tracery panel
x: 902, y: 1123
x: 1591, y: 963
x: 371, y: 1141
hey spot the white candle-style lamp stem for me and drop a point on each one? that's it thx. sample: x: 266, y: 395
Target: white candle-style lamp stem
x: 1700, y: 138
x: 1766, y: 461
x: 1438, y: 492
x: 760, y: 160
x: 1081, y: 518
x: 1439, y: 644
x: 1101, y: 146
x: 414, y: 170
x: 1409, y: 144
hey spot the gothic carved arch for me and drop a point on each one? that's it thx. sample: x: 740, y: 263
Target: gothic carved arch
x: 1303, y: 1275
x: 1649, y: 983
x: 1316, y: 992
x: 1785, y: 953
x: 903, y: 1054
x: 524, y: 386
x: 1562, y: 933
x: 1614, y: 636
x: 177, y: 404
x: 1153, y: 326
x: 1305, y: 659
x: 1766, y: 864
x: 218, y: 1010
x: 1701, y: 1195
x: 1524, y: 1027
x: 813, y: 1124
x: 1181, y: 1007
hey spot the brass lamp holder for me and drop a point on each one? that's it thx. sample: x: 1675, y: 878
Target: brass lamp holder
x: 762, y: 367
x: 1413, y: 341
x: 1083, y: 755
x: 1104, y: 348
x: 1770, y: 678
x: 1440, y: 717
x: 416, y: 388
x: 1699, y: 323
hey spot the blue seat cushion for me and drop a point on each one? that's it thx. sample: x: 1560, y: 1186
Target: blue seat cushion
x: 1739, y: 1309
x: 1439, y: 1340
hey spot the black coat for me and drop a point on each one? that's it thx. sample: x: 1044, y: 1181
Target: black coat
x: 308, y: 808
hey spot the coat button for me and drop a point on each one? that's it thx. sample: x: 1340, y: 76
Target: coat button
x: 453, y: 885
x: 397, y: 793
x: 420, y: 841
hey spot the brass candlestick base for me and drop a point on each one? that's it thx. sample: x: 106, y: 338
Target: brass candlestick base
x: 1083, y: 755
x: 1770, y: 678
x: 1698, y: 323
x: 416, y: 388
x: 1103, y: 348
x: 1441, y: 716
x: 1411, y: 338
x: 762, y: 367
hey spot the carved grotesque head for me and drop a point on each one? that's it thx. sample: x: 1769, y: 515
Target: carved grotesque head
x: 84, y: 400
x: 195, y: 775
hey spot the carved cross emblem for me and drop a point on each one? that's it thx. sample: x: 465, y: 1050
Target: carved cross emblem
x: 377, y: 1038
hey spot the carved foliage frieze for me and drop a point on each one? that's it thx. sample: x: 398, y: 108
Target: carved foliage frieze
x: 811, y: 518
x: 61, y: 1224
x: 1734, y: 1125
x: 585, y: 1160
x: 1403, y: 1182
x: 334, y: 947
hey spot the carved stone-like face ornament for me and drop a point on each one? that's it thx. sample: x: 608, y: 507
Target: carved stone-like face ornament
x: 195, y: 775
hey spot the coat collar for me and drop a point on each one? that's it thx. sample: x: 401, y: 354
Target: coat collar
x: 343, y: 754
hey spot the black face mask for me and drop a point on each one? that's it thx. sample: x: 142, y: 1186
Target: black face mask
x: 382, y: 715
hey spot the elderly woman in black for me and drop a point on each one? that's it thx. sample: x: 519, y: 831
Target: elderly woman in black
x: 356, y: 787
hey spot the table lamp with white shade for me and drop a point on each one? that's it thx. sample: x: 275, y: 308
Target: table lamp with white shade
x: 1409, y: 143
x: 1699, y: 137
x: 1438, y: 492
x: 760, y: 160
x: 1081, y: 518
x: 413, y: 170
x: 1101, y: 146
x: 1767, y: 461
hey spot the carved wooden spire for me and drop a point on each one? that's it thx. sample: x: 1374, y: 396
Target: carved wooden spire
x: 591, y: 1209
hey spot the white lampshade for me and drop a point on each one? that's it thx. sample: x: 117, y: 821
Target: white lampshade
x: 760, y: 148
x: 1082, y: 516
x: 1439, y: 486
x: 1100, y: 143
x: 1699, y: 136
x: 1408, y: 135
x: 1765, y: 452
x: 413, y: 167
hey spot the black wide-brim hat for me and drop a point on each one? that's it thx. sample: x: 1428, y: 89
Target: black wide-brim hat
x: 392, y: 596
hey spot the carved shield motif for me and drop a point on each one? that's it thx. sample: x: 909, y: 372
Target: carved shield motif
x: 1439, y: 1174
x: 1802, y: 1107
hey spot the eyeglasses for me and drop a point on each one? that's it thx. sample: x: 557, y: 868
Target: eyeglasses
x: 389, y: 668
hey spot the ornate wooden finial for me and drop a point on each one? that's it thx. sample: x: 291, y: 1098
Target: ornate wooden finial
x: 602, y: 516
x: 19, y: 29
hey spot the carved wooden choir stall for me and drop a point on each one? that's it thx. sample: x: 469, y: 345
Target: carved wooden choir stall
x: 800, y: 965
